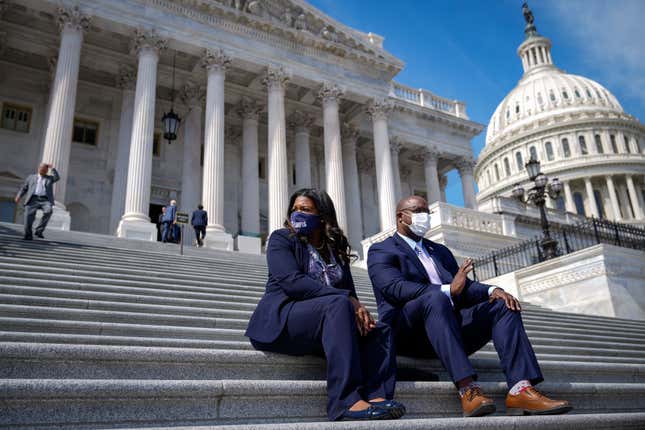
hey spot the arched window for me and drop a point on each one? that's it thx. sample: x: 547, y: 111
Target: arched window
x: 599, y: 205
x: 565, y: 95
x: 508, y: 113
x: 540, y: 99
x: 589, y: 93
x: 520, y: 162
x: 566, y: 150
x: 517, y: 108
x: 496, y: 172
x: 488, y: 176
x: 559, y: 204
x: 583, y: 145
x: 598, y: 144
x: 549, y: 151
x: 637, y: 145
x: 577, y: 93
x: 614, y: 148
x: 533, y: 152
x: 552, y: 95
x: 627, y: 147
x: 507, y: 167
x: 580, y: 204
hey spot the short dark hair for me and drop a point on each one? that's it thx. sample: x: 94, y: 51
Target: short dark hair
x: 332, y: 232
x: 200, y: 207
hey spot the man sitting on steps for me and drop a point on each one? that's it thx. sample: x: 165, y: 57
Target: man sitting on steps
x: 435, y: 310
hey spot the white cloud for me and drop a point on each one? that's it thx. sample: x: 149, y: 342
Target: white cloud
x: 609, y: 35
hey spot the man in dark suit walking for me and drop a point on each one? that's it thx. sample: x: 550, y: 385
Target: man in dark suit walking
x: 199, y: 221
x: 435, y: 310
x: 38, y: 190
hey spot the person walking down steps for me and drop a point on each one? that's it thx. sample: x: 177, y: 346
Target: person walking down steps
x: 38, y: 190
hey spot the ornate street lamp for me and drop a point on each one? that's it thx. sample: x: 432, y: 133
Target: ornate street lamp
x: 538, y: 195
x: 170, y: 119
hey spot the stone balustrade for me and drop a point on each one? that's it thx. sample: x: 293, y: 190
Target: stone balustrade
x: 425, y: 98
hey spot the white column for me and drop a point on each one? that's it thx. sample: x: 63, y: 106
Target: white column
x: 301, y: 122
x: 634, y: 197
x: 135, y: 222
x: 249, y: 238
x: 591, y: 198
x: 278, y: 172
x: 330, y: 95
x: 379, y: 110
x: 125, y: 81
x: 353, y: 193
x: 465, y: 167
x: 215, y: 63
x: 60, y: 122
x: 192, y: 95
x: 430, y: 159
x: 396, y: 144
x: 443, y: 183
x: 614, y: 199
x: 569, y: 203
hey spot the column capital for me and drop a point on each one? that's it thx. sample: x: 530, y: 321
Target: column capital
x: 465, y: 166
x: 276, y: 78
x: 349, y: 133
x: 430, y: 155
x: 330, y: 92
x: 379, y: 108
x: 405, y: 171
x: 127, y: 77
x: 215, y: 59
x: 365, y: 164
x: 396, y: 144
x: 233, y: 134
x: 73, y: 19
x: 301, y: 121
x: 192, y: 94
x: 248, y: 108
x: 148, y: 40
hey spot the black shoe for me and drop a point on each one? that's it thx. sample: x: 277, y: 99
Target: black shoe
x: 396, y: 409
x: 371, y: 413
x: 27, y: 237
x: 40, y: 235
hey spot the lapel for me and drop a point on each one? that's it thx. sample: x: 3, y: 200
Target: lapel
x: 412, y: 256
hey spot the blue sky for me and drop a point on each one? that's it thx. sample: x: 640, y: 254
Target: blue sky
x: 466, y: 49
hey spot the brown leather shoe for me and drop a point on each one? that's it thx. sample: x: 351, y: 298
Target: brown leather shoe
x: 475, y: 404
x: 531, y: 402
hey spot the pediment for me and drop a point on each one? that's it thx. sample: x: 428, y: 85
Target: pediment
x: 298, y: 21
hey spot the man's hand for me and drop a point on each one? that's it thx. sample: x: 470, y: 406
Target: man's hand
x: 364, y: 320
x: 459, y: 281
x: 16, y: 199
x: 511, y: 302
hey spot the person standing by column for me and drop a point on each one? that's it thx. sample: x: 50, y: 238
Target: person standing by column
x: 168, y: 221
x: 39, y: 189
x: 199, y: 221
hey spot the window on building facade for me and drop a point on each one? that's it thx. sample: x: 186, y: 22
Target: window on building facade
x: 580, y: 203
x: 589, y: 93
x: 540, y: 99
x: 533, y: 153
x: 156, y: 146
x: 637, y: 144
x: 565, y: 95
x: 598, y: 144
x: 16, y: 118
x: 496, y: 172
x: 627, y: 147
x: 517, y: 108
x: 519, y: 161
x: 577, y: 93
x: 549, y: 151
x: 599, y: 205
x: 559, y: 204
x: 566, y: 150
x: 86, y: 132
x: 583, y: 145
x: 507, y: 167
x: 614, y: 148
x: 551, y: 96
x: 488, y: 177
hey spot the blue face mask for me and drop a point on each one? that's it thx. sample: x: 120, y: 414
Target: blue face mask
x: 305, y: 223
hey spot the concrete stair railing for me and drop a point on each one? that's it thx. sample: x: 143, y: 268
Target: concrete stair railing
x: 101, y: 332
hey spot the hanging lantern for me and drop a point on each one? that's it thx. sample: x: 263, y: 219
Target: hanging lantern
x: 170, y: 119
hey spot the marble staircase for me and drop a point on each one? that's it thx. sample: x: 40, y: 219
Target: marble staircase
x: 100, y: 332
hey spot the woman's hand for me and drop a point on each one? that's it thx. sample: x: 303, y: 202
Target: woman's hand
x: 364, y: 320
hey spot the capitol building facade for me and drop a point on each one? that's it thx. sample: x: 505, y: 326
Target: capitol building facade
x: 578, y: 131
x: 273, y: 96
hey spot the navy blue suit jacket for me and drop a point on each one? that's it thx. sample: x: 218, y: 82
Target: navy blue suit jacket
x: 288, y: 282
x: 398, y: 276
x: 199, y: 218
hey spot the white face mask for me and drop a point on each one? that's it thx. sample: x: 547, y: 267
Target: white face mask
x: 420, y: 223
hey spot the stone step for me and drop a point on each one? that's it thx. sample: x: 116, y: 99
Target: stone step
x: 74, y: 403
x: 60, y: 361
x: 615, y: 421
x: 92, y: 301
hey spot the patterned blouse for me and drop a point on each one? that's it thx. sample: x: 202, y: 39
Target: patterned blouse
x: 329, y: 274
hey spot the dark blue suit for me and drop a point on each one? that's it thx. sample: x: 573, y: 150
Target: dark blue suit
x: 425, y: 324
x: 199, y: 221
x: 299, y: 315
x: 167, y: 221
